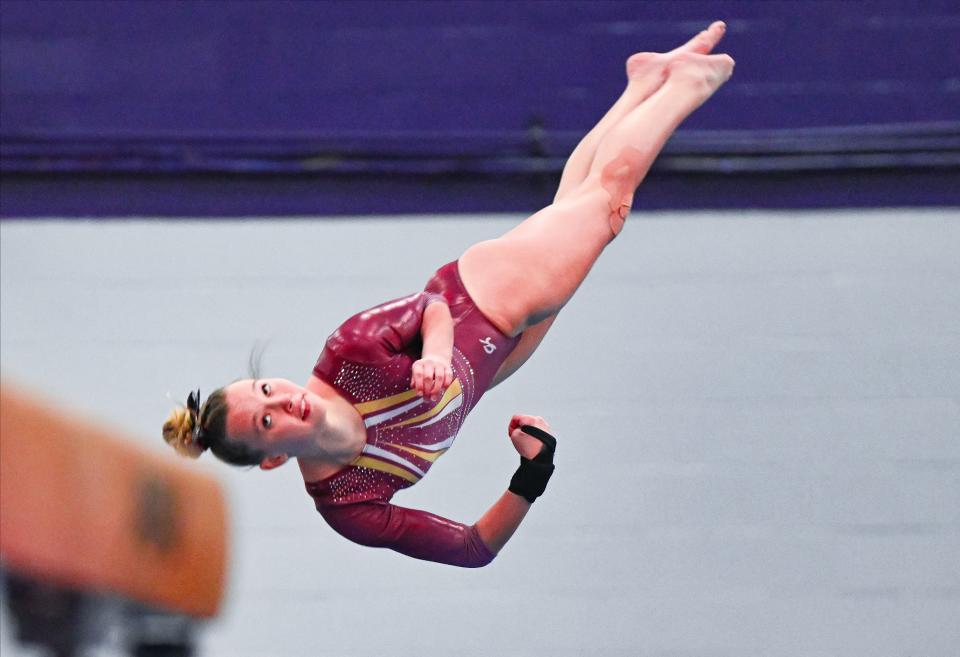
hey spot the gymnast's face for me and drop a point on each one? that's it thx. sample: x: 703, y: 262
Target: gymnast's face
x: 274, y: 415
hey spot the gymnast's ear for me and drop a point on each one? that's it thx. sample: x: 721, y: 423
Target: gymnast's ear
x: 272, y: 462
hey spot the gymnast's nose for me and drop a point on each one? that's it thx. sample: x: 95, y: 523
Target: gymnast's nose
x: 285, y: 403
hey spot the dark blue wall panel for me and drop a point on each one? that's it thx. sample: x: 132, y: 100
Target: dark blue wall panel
x: 296, y: 87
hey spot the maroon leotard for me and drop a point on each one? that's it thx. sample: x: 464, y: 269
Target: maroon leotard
x: 368, y: 359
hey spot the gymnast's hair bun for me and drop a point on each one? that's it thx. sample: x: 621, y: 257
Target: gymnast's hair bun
x: 179, y: 432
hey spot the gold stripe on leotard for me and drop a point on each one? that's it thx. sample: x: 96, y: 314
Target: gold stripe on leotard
x: 427, y: 456
x: 452, y: 393
x: 377, y: 464
x: 378, y: 404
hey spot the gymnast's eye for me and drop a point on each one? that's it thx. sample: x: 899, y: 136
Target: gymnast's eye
x: 265, y: 387
x: 267, y: 421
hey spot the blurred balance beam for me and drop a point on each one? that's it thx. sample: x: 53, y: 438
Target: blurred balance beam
x: 86, y: 513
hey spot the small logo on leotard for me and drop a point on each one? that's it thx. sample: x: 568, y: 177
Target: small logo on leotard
x: 488, y: 345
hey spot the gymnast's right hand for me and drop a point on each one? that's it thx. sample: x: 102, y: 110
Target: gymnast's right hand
x: 531, y: 437
x: 525, y: 444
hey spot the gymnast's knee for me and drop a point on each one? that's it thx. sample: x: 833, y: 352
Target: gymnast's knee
x: 619, y: 180
x: 618, y: 215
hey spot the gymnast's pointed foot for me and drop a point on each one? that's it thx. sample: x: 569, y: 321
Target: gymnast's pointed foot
x: 703, y: 73
x: 642, y: 65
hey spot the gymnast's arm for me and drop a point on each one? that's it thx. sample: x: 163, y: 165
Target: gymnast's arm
x: 427, y: 536
x: 536, y: 456
x: 411, y: 532
x: 430, y: 537
x: 501, y: 520
x: 437, y: 332
x: 433, y: 373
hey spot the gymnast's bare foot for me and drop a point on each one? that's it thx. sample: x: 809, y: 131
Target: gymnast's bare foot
x: 644, y: 65
x: 703, y: 73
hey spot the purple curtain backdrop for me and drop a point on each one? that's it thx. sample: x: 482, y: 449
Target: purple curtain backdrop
x: 225, y: 108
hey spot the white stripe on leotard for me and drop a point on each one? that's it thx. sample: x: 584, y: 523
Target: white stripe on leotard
x: 450, y: 408
x: 390, y: 456
x: 386, y: 415
x: 438, y: 446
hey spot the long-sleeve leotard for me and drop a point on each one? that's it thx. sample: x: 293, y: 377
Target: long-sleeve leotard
x: 368, y: 359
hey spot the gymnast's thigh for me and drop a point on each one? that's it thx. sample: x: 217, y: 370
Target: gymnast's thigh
x: 527, y: 275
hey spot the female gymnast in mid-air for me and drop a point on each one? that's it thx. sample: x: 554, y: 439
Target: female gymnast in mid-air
x: 394, y: 384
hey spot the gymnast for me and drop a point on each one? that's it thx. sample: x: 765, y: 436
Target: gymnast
x: 394, y: 384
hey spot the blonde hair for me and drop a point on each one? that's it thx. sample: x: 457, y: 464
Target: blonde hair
x: 179, y: 433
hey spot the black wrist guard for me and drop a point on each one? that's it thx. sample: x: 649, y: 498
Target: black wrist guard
x: 530, y: 479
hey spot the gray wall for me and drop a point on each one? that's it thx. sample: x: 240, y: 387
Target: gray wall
x: 758, y: 418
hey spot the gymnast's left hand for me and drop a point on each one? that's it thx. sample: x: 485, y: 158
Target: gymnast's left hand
x: 431, y: 376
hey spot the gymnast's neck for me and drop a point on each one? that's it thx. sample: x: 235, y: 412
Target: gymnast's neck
x: 342, y: 443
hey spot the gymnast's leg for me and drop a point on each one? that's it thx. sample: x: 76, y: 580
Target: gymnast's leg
x: 529, y: 274
x: 646, y: 72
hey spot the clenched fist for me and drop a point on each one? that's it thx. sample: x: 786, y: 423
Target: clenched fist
x: 431, y: 377
x: 525, y: 444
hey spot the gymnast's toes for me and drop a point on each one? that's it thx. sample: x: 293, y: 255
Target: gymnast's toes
x: 704, y: 42
x: 706, y: 72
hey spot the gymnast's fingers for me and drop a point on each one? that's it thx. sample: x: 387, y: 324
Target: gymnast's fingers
x: 439, y: 379
x: 416, y: 381
x: 534, y: 421
x: 539, y: 422
x: 517, y: 421
x: 527, y: 446
x: 430, y: 380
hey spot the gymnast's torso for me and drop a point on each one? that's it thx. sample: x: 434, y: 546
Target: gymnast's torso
x: 368, y: 360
